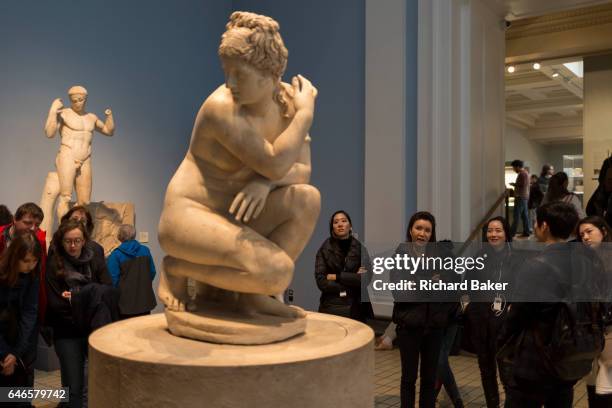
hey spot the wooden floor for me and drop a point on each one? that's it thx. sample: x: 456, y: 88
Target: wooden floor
x: 387, y: 380
x: 467, y: 375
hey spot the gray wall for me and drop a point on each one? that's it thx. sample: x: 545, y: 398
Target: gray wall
x: 555, y: 152
x: 153, y: 63
x: 518, y: 146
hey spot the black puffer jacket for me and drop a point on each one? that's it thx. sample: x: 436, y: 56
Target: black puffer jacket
x: 332, y: 260
x: 409, y: 313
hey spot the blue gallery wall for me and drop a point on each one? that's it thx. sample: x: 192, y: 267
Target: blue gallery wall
x: 153, y: 63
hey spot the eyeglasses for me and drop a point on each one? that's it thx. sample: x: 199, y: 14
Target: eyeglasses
x: 76, y: 241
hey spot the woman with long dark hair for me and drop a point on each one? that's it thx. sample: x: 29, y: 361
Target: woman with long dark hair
x: 484, y: 316
x: 595, y: 232
x: 420, y: 323
x: 19, y: 283
x: 73, y: 266
x: 341, y: 271
x: 557, y: 191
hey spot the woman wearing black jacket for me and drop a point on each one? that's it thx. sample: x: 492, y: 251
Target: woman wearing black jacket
x: 341, y: 270
x: 483, y: 318
x: 19, y: 283
x: 420, y: 323
x: 73, y: 266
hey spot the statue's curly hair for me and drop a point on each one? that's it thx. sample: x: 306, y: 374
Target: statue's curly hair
x: 262, y: 46
x: 256, y: 39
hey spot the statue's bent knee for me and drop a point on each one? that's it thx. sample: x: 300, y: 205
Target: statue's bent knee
x: 276, y: 274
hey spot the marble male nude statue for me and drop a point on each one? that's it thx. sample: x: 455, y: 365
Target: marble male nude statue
x: 73, y: 161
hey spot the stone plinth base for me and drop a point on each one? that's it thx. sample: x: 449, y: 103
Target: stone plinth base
x: 226, y: 327
x: 138, y: 363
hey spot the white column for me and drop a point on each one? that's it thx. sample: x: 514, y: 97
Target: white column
x: 385, y: 132
x: 385, y: 123
x: 461, y: 112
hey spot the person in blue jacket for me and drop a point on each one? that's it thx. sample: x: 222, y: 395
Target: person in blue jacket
x: 132, y: 271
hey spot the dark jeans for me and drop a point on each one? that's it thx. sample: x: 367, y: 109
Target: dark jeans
x: 445, y: 374
x: 520, y: 211
x: 554, y: 397
x: 488, y: 375
x: 72, y: 354
x: 426, y: 343
x: 598, y: 400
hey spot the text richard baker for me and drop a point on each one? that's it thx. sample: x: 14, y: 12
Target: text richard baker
x: 438, y: 285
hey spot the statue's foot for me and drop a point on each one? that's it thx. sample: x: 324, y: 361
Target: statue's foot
x: 172, y: 291
x: 255, y: 303
x: 223, y: 316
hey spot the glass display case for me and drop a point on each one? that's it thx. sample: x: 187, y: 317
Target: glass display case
x: 572, y: 166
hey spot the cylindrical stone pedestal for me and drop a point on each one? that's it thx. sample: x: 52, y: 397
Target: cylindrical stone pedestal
x: 138, y: 363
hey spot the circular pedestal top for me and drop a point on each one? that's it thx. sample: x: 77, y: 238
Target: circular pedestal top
x: 147, y: 339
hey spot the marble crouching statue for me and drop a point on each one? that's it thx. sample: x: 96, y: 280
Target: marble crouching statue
x: 239, y: 209
x: 73, y: 160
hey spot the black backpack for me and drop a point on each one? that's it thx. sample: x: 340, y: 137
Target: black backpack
x: 577, y: 339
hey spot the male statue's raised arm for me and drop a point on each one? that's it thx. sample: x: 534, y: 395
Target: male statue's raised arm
x: 52, y: 123
x: 107, y: 127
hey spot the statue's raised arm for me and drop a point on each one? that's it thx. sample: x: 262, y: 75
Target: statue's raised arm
x: 51, y: 125
x: 239, y: 209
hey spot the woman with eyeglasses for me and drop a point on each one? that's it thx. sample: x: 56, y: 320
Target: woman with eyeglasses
x: 74, y: 265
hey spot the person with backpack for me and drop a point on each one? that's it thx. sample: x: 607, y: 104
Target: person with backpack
x: 548, y: 339
x: 132, y: 270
